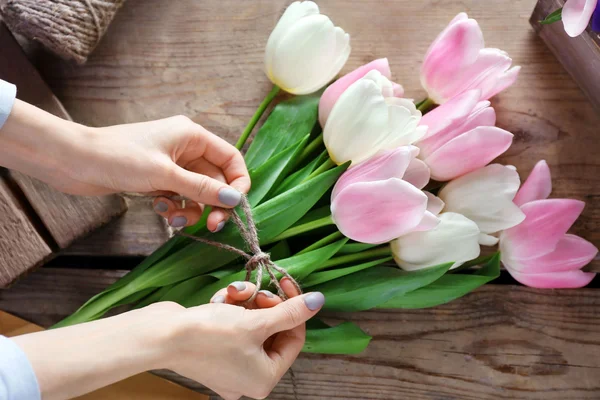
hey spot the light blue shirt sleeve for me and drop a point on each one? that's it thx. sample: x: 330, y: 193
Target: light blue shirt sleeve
x: 17, y: 379
x: 8, y: 93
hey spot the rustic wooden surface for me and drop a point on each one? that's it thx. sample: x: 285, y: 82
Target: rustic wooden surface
x: 21, y: 246
x: 580, y: 56
x: 66, y: 217
x: 500, y: 342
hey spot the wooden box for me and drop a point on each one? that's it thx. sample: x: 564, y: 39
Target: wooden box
x: 37, y: 221
x: 580, y: 56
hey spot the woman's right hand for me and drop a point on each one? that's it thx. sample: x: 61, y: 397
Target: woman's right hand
x: 237, y: 351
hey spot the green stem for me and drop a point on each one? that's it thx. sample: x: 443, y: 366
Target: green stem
x: 259, y: 112
x: 426, y: 105
x: 307, y: 227
x: 325, y: 241
x: 326, y: 166
x: 365, y: 255
x: 312, y: 146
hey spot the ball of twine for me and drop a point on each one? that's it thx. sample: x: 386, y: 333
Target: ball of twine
x: 69, y: 28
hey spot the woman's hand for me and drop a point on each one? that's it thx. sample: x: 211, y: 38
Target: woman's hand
x: 165, y: 157
x: 232, y: 350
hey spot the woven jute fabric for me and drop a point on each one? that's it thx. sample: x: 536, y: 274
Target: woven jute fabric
x: 69, y: 28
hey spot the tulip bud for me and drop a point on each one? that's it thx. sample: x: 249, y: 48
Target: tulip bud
x: 457, y: 61
x: 368, y: 118
x: 461, y: 137
x: 576, y: 15
x: 455, y: 239
x: 305, y: 50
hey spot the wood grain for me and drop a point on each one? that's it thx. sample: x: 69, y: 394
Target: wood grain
x: 205, y: 60
x: 66, y: 217
x: 499, y: 342
x: 21, y: 246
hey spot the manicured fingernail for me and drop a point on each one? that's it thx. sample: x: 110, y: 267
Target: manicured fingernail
x: 161, y: 207
x: 266, y: 293
x: 179, y: 222
x: 220, y: 226
x: 239, y: 286
x: 218, y: 299
x: 314, y: 300
x: 230, y: 197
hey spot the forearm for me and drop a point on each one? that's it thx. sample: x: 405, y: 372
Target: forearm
x: 69, y: 362
x: 37, y: 143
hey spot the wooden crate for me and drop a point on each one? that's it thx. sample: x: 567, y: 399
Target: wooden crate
x: 36, y: 221
x: 580, y: 55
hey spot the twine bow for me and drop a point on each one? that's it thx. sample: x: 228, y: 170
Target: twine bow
x: 257, y: 260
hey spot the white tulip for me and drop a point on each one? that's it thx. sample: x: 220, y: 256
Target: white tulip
x: 367, y: 118
x: 454, y: 239
x: 305, y: 50
x: 485, y: 196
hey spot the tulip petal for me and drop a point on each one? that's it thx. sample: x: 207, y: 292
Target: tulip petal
x: 435, y: 205
x: 335, y: 90
x: 386, y: 165
x: 504, y: 81
x: 546, y: 222
x: 377, y: 212
x: 491, y: 65
x: 485, y: 196
x: 571, y: 253
x: 475, y: 149
x: 487, y: 240
x: 576, y: 15
x: 417, y: 174
x: 538, y: 185
x: 428, y: 222
x: 453, y: 240
x: 554, y: 280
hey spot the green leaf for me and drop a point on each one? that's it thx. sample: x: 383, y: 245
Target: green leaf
x: 273, y: 171
x: 183, y: 290
x: 368, y: 288
x: 352, y: 248
x: 345, y: 338
x: 271, y: 218
x: 447, y: 288
x: 326, y: 276
x: 553, y: 17
x: 298, y: 266
x: 299, y: 176
x: 289, y: 122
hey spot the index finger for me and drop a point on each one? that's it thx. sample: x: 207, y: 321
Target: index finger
x: 225, y: 156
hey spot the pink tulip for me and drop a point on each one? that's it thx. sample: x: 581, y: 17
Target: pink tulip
x: 457, y: 61
x: 538, y: 252
x: 576, y: 15
x: 335, y: 90
x: 372, y: 203
x: 461, y: 137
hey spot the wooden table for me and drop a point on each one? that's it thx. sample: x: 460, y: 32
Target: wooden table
x: 204, y: 59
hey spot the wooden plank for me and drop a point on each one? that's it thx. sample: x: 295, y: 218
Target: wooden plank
x: 499, y: 342
x: 145, y: 386
x: 66, y: 217
x: 205, y: 60
x: 580, y: 55
x: 21, y: 247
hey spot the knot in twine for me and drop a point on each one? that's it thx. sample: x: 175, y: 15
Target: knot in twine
x: 257, y: 260
x: 69, y: 28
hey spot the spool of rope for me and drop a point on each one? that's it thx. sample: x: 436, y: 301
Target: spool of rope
x: 69, y: 28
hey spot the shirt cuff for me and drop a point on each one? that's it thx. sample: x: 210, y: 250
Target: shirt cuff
x: 17, y: 379
x: 8, y: 93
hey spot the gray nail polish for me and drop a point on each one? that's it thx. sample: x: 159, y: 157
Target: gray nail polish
x: 314, y: 300
x: 219, y: 226
x: 161, y: 206
x: 266, y: 293
x: 239, y: 286
x: 179, y: 222
x: 218, y: 299
x: 230, y: 197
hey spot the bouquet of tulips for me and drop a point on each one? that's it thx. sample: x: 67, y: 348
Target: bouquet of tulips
x: 370, y: 198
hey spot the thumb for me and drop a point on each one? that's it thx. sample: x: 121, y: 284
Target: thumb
x: 293, y: 312
x: 204, y: 189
